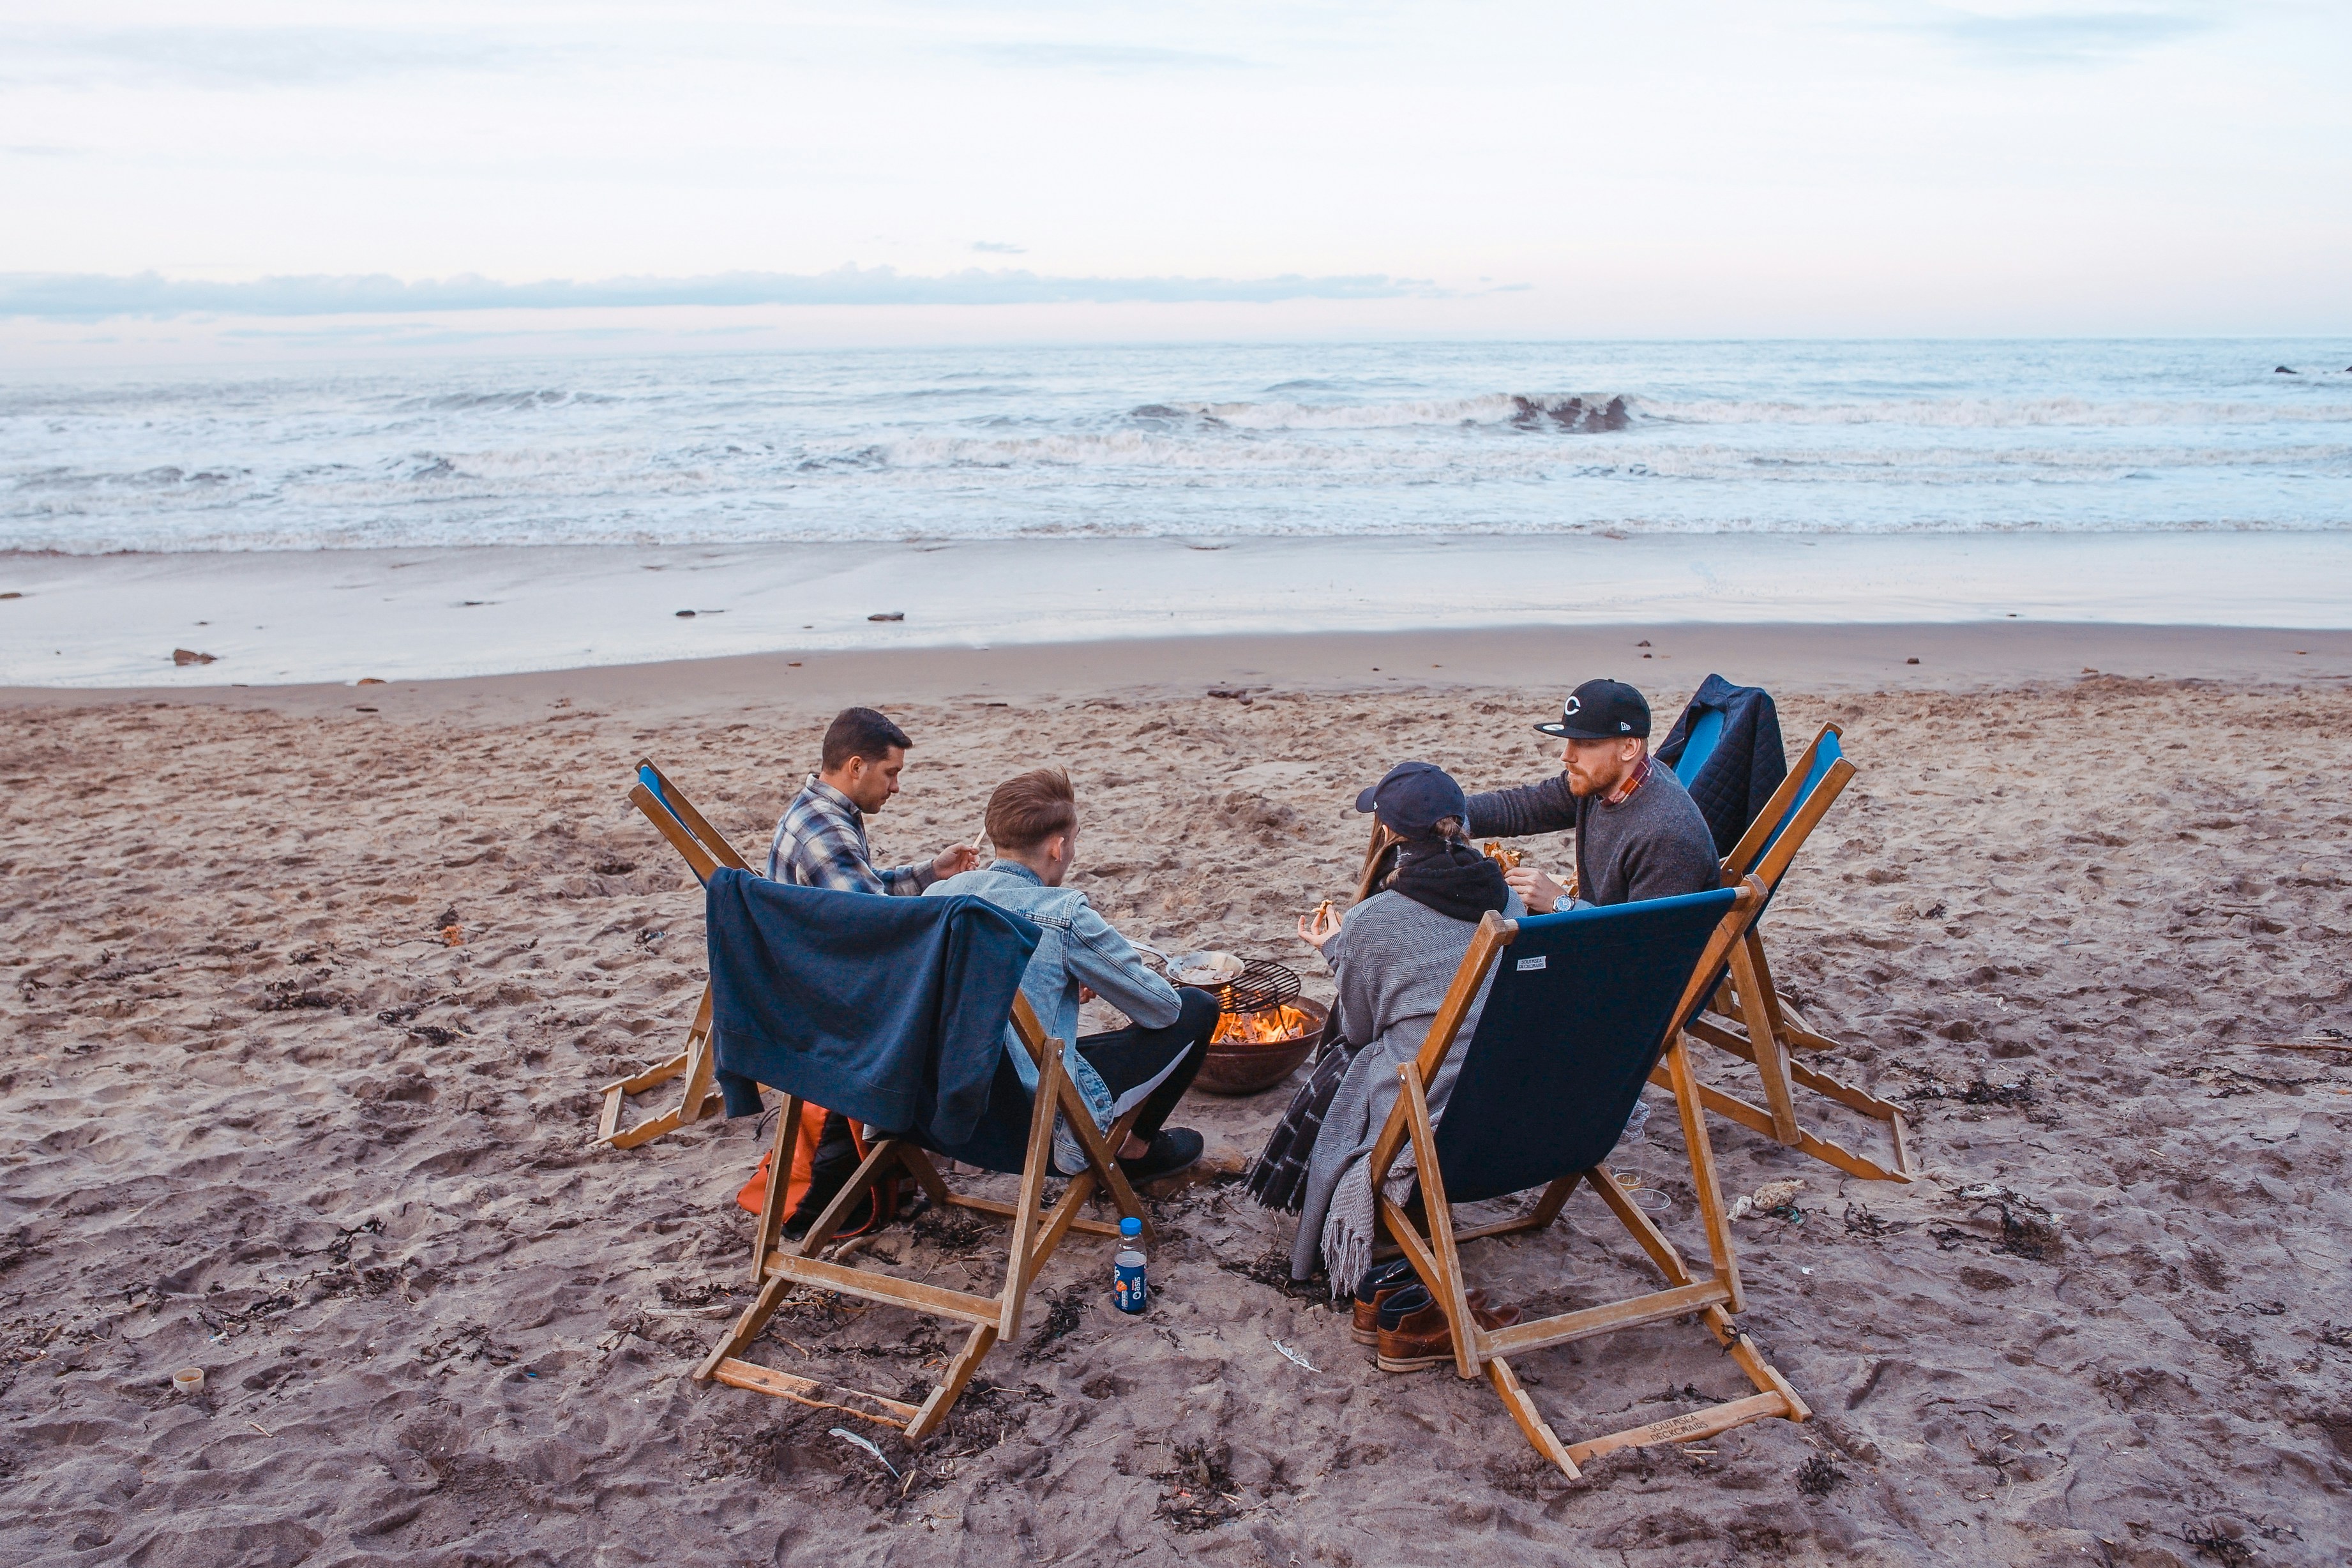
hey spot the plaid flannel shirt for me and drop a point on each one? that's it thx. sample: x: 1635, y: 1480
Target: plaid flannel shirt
x: 820, y: 842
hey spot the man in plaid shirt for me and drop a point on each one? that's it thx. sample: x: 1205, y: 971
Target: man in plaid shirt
x: 821, y: 841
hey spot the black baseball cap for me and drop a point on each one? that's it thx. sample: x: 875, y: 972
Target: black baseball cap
x: 1412, y: 798
x: 1602, y: 711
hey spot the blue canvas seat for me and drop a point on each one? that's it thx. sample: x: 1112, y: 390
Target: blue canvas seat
x: 1746, y: 1015
x: 1706, y: 729
x: 1582, y: 1006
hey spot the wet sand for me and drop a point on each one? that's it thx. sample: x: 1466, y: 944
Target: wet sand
x: 274, y: 617
x: 261, y: 1118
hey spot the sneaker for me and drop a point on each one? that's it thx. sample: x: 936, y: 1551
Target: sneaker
x: 1414, y: 1333
x: 1383, y: 1282
x: 1172, y: 1150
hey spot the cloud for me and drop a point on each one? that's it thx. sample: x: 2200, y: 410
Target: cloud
x: 998, y: 247
x: 89, y: 297
x: 244, y: 57
x: 2064, y: 38
x: 1110, y: 60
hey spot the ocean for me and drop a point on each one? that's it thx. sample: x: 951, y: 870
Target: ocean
x: 1191, y: 442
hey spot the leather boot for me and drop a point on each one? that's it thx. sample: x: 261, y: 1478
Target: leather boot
x: 1414, y: 1335
x: 1366, y: 1330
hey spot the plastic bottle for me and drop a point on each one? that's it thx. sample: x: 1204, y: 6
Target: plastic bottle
x: 1128, y: 1291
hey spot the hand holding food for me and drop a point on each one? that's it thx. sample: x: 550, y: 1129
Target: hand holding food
x: 1537, y: 892
x: 1318, y: 928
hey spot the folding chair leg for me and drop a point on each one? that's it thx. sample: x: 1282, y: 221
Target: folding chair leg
x: 1102, y: 1153
x: 1771, y: 1056
x: 1773, y: 1396
x: 1701, y: 1150
x: 1447, y: 1287
x: 770, y: 1232
x: 1021, y: 1264
x: 836, y: 1213
x: 941, y: 1399
x: 1523, y: 1411
x: 1757, y: 1119
x: 700, y: 1100
x: 747, y: 1326
x: 1645, y: 1233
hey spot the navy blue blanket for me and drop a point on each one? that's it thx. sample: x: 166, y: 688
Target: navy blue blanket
x: 1746, y: 764
x: 888, y: 1010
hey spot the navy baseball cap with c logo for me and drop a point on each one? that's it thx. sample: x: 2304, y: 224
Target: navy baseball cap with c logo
x: 1602, y: 711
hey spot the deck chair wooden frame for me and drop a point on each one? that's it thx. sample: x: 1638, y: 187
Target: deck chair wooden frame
x: 779, y: 1268
x: 1750, y: 1018
x: 704, y: 849
x: 1435, y: 1254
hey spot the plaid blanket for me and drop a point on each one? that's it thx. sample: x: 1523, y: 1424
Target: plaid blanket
x: 1279, y: 1180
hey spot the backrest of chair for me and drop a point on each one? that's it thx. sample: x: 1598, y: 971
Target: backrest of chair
x: 1787, y: 818
x: 1706, y: 729
x: 667, y: 800
x: 1582, y: 1007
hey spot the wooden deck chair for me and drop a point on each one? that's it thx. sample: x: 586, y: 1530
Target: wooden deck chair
x: 705, y: 849
x: 1747, y: 1016
x: 1583, y: 1004
x: 1015, y: 1135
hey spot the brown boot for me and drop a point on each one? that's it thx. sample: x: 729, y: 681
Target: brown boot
x: 1414, y: 1333
x: 1367, y: 1326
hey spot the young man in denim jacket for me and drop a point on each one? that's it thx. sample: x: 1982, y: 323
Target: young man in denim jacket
x: 1032, y: 820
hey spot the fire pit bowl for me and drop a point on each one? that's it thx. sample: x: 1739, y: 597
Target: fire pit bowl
x: 1237, y: 1065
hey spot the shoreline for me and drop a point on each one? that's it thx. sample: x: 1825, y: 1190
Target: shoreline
x: 277, y: 619
x: 1543, y: 661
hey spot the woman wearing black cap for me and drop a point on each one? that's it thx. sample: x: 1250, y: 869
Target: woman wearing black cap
x: 1394, y: 955
x: 1638, y: 835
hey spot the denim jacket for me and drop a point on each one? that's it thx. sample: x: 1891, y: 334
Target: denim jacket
x: 1080, y: 948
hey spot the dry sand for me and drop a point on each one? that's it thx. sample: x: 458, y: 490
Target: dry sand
x: 261, y: 1119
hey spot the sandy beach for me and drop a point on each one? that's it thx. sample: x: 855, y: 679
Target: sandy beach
x: 2086, y: 912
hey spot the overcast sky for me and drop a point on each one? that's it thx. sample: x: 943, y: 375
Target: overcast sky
x: 891, y: 171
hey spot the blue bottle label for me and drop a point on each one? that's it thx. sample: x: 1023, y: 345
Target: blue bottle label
x: 1128, y: 1292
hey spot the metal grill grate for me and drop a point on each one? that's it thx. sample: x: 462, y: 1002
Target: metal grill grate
x: 1262, y: 983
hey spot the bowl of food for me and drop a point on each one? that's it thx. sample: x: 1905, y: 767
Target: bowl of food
x: 1208, y: 970
x: 1253, y: 1051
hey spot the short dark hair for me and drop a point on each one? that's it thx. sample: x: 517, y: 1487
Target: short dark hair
x: 1027, y: 811
x: 860, y: 732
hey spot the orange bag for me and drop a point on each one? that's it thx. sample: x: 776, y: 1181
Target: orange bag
x: 807, y: 1190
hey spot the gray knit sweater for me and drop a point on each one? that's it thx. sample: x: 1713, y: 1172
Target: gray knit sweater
x: 1655, y: 844
x: 1395, y: 960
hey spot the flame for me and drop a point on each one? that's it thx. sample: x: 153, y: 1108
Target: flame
x: 1264, y: 1028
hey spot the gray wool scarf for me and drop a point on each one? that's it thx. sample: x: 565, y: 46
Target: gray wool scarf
x: 1394, y: 960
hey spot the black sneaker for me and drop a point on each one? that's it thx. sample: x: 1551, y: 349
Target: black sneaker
x: 1172, y: 1150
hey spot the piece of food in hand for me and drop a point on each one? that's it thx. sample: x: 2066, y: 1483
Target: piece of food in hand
x: 1507, y: 858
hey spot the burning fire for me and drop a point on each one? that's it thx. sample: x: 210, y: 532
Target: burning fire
x: 1263, y: 1028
